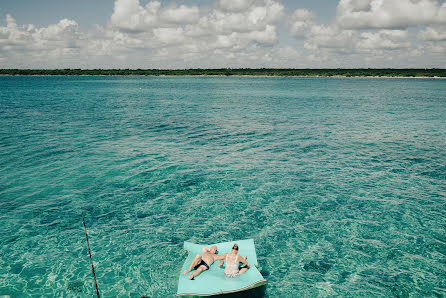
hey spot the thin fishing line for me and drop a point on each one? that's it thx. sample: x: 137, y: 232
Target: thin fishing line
x: 89, y: 252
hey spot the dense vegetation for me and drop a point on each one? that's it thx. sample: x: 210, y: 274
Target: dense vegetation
x: 369, y: 72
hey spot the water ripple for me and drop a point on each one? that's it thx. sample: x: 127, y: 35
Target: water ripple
x: 341, y: 182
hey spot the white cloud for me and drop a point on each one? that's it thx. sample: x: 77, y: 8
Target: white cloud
x: 64, y: 34
x: 324, y: 36
x: 301, y: 21
x: 254, y: 18
x: 181, y: 15
x: 433, y: 33
x: 240, y: 40
x: 130, y: 15
x: 334, y: 46
x: 267, y: 36
x: 233, y: 26
x: 389, y: 13
x: 169, y: 35
x: 437, y: 49
x: 235, y: 5
x: 384, y: 39
x: 28, y: 45
x: 288, y: 57
x: 338, y: 45
x: 235, y: 33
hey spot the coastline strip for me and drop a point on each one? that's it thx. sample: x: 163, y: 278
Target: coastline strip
x: 261, y: 72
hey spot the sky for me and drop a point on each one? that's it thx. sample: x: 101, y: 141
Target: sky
x: 223, y: 34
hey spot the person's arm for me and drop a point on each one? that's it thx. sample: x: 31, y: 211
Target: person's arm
x: 205, y: 249
x: 243, y: 260
x: 221, y: 258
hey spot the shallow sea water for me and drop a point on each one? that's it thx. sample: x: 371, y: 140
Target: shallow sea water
x: 340, y: 181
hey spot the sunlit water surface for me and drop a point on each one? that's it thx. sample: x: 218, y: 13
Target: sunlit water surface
x: 340, y: 181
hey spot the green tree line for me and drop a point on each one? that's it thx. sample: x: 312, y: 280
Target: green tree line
x: 307, y: 72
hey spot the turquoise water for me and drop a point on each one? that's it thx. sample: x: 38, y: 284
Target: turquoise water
x: 340, y: 181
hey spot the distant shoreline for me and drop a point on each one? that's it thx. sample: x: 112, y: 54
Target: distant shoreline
x: 240, y: 72
x: 235, y: 76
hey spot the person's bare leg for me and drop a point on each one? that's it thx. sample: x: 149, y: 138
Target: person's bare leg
x: 196, y: 272
x: 194, y: 263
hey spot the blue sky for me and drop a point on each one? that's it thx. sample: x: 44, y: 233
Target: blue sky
x: 46, y: 12
x: 88, y: 13
x: 222, y: 33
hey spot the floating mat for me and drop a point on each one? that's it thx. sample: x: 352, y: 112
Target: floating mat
x: 213, y: 281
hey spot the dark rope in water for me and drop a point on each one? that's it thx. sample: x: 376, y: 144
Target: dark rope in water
x: 89, y: 252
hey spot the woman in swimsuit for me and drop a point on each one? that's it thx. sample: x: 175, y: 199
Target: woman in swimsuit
x: 233, y: 260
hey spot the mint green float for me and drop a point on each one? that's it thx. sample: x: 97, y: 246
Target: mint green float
x: 213, y: 281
